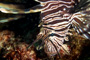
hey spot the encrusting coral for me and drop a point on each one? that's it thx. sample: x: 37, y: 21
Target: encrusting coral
x: 13, y: 49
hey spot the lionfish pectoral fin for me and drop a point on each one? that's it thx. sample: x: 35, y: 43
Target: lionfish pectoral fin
x: 81, y: 21
x: 55, y: 48
x: 10, y: 19
x: 16, y: 9
x: 65, y: 49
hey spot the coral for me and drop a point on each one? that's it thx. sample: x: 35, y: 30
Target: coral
x: 13, y: 49
x: 6, y: 38
x: 20, y: 52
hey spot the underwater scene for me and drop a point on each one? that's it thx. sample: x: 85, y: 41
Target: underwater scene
x: 44, y: 29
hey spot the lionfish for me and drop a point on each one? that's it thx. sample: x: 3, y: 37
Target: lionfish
x: 57, y: 16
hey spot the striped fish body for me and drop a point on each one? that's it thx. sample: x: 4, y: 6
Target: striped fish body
x: 55, y: 18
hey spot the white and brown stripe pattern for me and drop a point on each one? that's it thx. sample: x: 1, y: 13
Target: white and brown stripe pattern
x: 55, y: 17
x: 81, y: 22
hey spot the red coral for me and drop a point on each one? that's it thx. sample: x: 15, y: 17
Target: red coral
x: 13, y: 49
x: 6, y: 37
x: 21, y: 53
